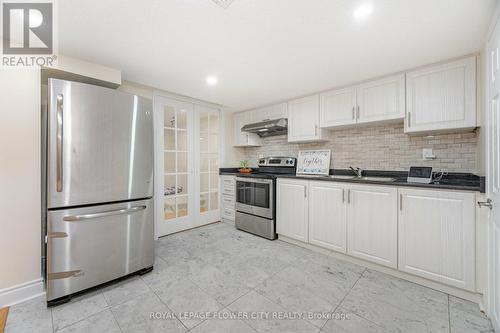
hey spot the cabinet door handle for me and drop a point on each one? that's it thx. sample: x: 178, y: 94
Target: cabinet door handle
x: 400, y: 202
x: 343, y: 196
x: 488, y: 203
x: 349, y: 196
x: 305, y: 192
x: 353, y: 112
x: 357, y: 113
x: 315, y: 130
x: 409, y: 119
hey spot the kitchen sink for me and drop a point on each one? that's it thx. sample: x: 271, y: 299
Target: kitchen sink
x: 367, y: 178
x: 342, y: 177
x: 376, y: 179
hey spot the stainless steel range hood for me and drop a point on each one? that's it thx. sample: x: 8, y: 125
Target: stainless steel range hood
x: 268, y: 127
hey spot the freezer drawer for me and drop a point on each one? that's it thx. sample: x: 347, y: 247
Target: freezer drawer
x: 93, y: 245
x: 100, y: 145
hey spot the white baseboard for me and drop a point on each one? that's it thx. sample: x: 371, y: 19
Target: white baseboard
x: 21, y: 292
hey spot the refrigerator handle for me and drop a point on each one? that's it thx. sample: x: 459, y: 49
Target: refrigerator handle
x: 73, y: 218
x: 59, y: 143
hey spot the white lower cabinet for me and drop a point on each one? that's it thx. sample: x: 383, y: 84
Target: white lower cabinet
x: 428, y: 233
x: 372, y: 224
x: 327, y: 216
x: 437, y: 236
x: 360, y: 220
x: 292, y: 209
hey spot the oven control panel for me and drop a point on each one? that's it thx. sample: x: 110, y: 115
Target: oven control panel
x: 278, y: 161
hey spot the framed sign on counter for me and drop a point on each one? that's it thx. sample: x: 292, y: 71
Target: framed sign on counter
x: 314, y: 162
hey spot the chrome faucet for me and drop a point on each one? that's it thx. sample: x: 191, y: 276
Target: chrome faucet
x: 357, y: 171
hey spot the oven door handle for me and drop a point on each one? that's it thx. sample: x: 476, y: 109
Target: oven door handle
x: 254, y: 180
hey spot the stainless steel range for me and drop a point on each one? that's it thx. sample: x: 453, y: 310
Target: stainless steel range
x: 256, y: 196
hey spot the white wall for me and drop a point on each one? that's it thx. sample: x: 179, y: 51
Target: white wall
x: 20, y: 180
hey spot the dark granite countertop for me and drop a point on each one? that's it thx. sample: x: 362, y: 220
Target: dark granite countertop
x: 452, y: 181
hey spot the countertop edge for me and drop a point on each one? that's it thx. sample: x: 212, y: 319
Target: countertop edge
x: 397, y: 183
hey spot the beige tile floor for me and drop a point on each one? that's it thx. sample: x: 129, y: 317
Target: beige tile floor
x: 243, y: 283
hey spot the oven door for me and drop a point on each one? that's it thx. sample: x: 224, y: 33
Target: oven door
x: 255, y: 196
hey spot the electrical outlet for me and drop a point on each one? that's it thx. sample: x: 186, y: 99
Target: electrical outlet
x: 427, y: 154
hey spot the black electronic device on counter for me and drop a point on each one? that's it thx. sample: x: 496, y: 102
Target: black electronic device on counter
x: 422, y: 175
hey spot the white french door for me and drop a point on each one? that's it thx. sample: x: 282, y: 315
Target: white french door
x: 186, y: 165
x: 493, y: 174
x: 207, y: 171
x: 174, y: 182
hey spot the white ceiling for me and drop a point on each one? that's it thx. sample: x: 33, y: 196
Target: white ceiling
x: 264, y: 51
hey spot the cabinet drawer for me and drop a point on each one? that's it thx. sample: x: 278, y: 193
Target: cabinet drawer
x: 228, y: 180
x: 228, y: 201
x: 228, y: 184
x: 227, y: 213
x: 229, y: 192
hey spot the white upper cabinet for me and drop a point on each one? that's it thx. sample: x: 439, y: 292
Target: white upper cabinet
x: 244, y: 139
x: 372, y: 221
x: 292, y: 209
x: 272, y: 112
x: 437, y: 236
x: 441, y: 97
x: 303, y: 120
x: 327, y: 216
x: 381, y: 100
x: 373, y: 101
x: 338, y: 107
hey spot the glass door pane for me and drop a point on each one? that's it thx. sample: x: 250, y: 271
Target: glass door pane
x: 209, y: 159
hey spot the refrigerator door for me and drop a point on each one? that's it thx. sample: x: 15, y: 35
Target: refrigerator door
x: 93, y: 245
x: 100, y: 145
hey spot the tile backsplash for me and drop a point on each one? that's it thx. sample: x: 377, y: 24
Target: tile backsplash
x: 384, y: 147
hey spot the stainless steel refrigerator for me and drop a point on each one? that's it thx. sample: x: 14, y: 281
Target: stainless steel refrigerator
x: 98, y: 187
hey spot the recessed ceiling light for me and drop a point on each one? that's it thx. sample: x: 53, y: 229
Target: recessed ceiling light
x: 212, y: 80
x: 223, y: 3
x: 363, y: 11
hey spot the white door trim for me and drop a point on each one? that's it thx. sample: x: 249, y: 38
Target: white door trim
x: 492, y: 292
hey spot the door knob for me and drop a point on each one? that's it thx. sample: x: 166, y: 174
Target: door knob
x: 487, y: 203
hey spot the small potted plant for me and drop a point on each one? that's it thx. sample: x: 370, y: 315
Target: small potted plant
x: 244, y: 167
